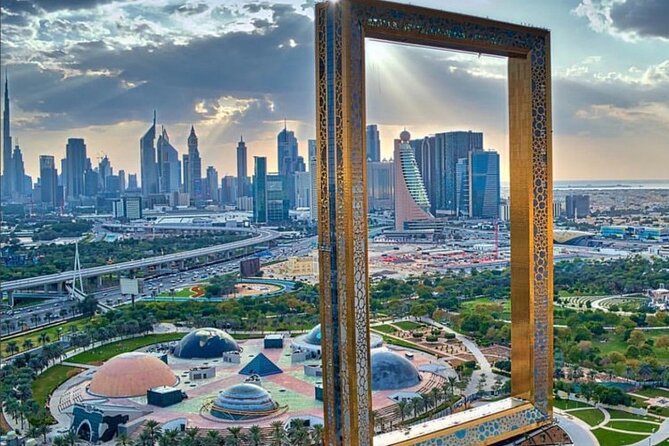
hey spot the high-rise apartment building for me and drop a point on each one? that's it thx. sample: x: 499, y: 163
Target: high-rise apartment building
x: 373, y: 143
x: 454, y: 146
x: 485, y: 184
x: 287, y: 160
x: 48, y: 179
x: 148, y: 166
x: 211, y: 184
x: 260, y: 189
x: 229, y: 190
x: 132, y: 182
x: 121, y: 180
x: 242, y: 168
x: 478, y: 185
x: 7, y: 165
x: 185, y: 165
x: 380, y: 185
x: 303, y: 190
x: 169, y: 166
x: 91, y: 182
x: 75, y: 162
x: 18, y: 174
x: 104, y: 170
x: 194, y: 167
x: 411, y: 200
x: 577, y: 206
x: 277, y: 200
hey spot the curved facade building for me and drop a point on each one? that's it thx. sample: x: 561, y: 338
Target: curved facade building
x: 243, y: 401
x: 391, y: 371
x: 411, y: 200
x: 131, y: 374
x: 205, y: 343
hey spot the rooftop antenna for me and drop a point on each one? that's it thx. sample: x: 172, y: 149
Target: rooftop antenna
x: 154, y: 116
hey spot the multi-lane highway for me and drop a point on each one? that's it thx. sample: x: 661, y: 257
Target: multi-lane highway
x: 59, y: 309
x: 260, y: 236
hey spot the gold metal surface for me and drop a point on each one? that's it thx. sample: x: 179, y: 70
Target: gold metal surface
x: 341, y: 27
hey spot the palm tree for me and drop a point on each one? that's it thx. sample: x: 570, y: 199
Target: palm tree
x: 213, y: 438
x: 255, y: 435
x: 153, y: 431
x: 121, y: 439
x: 61, y: 441
x: 43, y: 338
x: 435, y: 393
x: 11, y: 348
x: 317, y: 433
x: 28, y: 344
x: 170, y: 438
x: 278, y: 433
x: 236, y: 437
x: 403, y: 407
x: 451, y: 383
x: 192, y: 437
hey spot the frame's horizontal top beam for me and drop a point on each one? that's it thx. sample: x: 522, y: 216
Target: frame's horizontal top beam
x: 415, y: 25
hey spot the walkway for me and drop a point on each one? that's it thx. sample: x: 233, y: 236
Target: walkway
x: 578, y: 430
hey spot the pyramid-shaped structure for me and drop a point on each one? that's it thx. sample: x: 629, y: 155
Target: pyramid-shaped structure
x: 261, y: 366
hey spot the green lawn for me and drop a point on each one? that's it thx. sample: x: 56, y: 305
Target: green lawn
x: 619, y: 414
x: 385, y: 329
x: 104, y: 352
x: 612, y: 438
x: 633, y: 426
x: 652, y: 392
x: 52, y: 333
x: 183, y: 292
x: 568, y: 404
x: 48, y: 381
x: 591, y: 416
x: 612, y: 342
x: 408, y: 325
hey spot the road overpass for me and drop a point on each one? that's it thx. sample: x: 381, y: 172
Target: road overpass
x: 259, y: 237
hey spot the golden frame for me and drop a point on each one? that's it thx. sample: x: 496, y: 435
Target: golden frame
x: 341, y: 29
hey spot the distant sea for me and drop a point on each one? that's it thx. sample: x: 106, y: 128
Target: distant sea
x: 606, y: 184
x: 611, y: 184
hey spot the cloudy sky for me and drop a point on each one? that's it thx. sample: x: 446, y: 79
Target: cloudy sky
x: 97, y: 69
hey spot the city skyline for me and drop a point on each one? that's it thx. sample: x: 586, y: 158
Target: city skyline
x: 611, y: 117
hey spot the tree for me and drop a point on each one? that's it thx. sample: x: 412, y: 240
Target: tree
x: 236, y: 437
x: 278, y: 433
x: 11, y: 348
x: 317, y: 434
x: 153, y: 431
x: 637, y: 338
x: 662, y: 342
x: 403, y: 408
x: 255, y: 435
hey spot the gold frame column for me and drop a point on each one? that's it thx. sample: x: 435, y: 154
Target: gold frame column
x: 342, y: 223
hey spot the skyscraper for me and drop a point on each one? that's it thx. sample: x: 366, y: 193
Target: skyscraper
x: 48, y: 178
x: 303, y: 190
x: 169, y: 166
x: 287, y: 160
x: 185, y: 165
x: 577, y: 206
x: 229, y: 190
x: 312, y: 175
x: 485, y: 184
x: 277, y: 201
x: 18, y: 174
x: 132, y: 182
x: 195, y: 166
x: 242, y: 171
x: 462, y: 188
x: 411, y: 201
x: 211, y: 184
x: 75, y: 164
x: 7, y: 174
x: 148, y: 167
x: 373, y: 143
x: 104, y: 170
x: 380, y: 185
x: 121, y: 180
x: 260, y: 189
x: 454, y: 146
